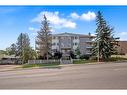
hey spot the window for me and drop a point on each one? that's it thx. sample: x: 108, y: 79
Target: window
x: 75, y: 43
x: 76, y: 37
x: 54, y: 37
x: 54, y: 44
x: 72, y: 38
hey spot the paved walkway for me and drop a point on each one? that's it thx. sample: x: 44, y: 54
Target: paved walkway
x: 8, y: 67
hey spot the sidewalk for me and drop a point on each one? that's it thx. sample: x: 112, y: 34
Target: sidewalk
x: 4, y: 68
x: 8, y: 67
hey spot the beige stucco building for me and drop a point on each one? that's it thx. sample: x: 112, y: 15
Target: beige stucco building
x: 122, y: 48
x: 65, y: 42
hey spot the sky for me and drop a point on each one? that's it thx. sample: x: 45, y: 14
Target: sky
x: 73, y: 19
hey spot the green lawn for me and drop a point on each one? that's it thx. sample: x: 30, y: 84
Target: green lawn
x: 44, y: 65
x: 81, y: 61
x: 114, y: 58
x: 118, y: 57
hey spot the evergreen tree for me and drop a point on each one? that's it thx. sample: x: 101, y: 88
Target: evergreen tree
x: 23, y: 47
x: 22, y: 42
x: 77, y: 52
x: 105, y: 42
x: 28, y: 54
x: 12, y: 49
x: 44, y: 39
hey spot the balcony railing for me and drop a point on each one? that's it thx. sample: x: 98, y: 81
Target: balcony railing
x: 89, y: 47
x: 89, y: 53
x: 89, y: 41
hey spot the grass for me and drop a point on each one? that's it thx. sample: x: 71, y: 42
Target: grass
x: 82, y: 61
x: 118, y: 58
x: 43, y: 65
x: 114, y: 58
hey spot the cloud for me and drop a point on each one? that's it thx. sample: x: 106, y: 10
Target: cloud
x: 85, y: 16
x: 74, y: 15
x: 88, y: 16
x: 122, y: 35
x: 33, y: 29
x: 34, y: 34
x: 55, y: 20
x: 93, y: 34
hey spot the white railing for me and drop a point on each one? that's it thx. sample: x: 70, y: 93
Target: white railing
x: 89, y: 41
x: 42, y: 61
x: 65, y: 61
x: 89, y: 47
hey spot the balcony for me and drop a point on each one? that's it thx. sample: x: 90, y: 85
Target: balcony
x: 89, y: 41
x: 89, y: 53
x: 89, y: 47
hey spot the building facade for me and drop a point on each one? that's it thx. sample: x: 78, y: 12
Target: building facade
x: 66, y: 42
x: 122, y: 48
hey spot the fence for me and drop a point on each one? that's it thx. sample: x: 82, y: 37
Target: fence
x: 50, y: 61
x: 4, y: 62
x: 42, y: 61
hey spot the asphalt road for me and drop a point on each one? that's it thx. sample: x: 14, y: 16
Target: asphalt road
x: 97, y: 76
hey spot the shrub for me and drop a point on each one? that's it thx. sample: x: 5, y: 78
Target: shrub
x: 87, y: 57
x: 93, y: 58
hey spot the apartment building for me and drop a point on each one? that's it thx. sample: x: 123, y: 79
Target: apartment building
x: 65, y: 42
x: 122, y: 48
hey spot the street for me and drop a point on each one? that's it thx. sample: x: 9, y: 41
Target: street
x: 83, y: 76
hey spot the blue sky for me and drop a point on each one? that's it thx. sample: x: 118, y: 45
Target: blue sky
x: 74, y: 19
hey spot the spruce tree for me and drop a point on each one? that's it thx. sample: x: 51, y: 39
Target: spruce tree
x: 105, y: 43
x: 23, y: 41
x: 23, y: 47
x: 44, y: 39
x: 12, y: 49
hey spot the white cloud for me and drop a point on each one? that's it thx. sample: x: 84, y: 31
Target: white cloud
x: 88, y: 16
x: 55, y: 20
x: 85, y: 16
x: 34, y: 34
x: 122, y: 35
x: 74, y: 15
x: 33, y: 29
x: 93, y: 35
